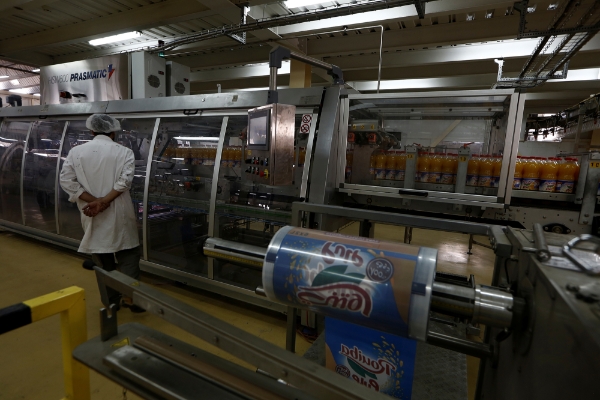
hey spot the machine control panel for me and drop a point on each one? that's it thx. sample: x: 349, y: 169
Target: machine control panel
x: 269, y: 154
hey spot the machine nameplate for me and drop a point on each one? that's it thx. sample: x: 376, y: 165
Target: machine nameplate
x: 594, y: 164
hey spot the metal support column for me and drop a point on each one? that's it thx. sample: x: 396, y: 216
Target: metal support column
x: 25, y: 145
x: 57, y: 179
x: 213, y: 191
x: 146, y: 185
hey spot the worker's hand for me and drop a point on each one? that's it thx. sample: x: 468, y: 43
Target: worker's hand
x: 95, y: 207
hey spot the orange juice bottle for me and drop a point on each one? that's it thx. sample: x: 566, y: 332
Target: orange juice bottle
x: 486, y: 171
x: 237, y: 161
x: 567, y: 175
x: 518, y: 176
x: 454, y: 167
x: 212, y: 155
x: 549, y: 175
x: 400, y: 166
x: 531, y: 174
x: 349, y: 161
x: 372, y: 165
x: 447, y: 177
x: 225, y: 157
x: 497, y: 162
x: 390, y: 165
x: 435, y: 173
x: 380, y: 160
x: 473, y: 170
x: 423, y: 168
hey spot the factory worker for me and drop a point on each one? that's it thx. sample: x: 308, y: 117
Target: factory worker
x: 97, y: 176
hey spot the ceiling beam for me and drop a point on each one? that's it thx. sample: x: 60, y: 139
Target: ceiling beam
x: 24, y: 4
x: 140, y: 18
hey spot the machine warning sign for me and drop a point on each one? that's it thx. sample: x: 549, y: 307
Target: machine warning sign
x: 305, y: 125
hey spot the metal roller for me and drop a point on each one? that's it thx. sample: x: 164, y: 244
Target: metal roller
x: 480, y: 304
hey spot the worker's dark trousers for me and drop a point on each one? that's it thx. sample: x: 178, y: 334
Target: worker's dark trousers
x: 126, y: 261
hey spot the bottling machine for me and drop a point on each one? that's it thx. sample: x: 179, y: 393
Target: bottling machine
x: 216, y: 197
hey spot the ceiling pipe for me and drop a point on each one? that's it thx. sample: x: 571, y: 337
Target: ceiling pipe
x: 328, y: 12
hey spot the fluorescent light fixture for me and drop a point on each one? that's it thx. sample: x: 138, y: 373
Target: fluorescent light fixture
x: 4, y: 76
x: 46, y: 140
x: 14, y: 82
x: 531, y: 9
x: 302, y: 3
x: 22, y: 91
x: 115, y: 38
x: 552, y: 6
x: 35, y: 70
x: 205, y: 138
x: 7, y: 139
x: 37, y: 94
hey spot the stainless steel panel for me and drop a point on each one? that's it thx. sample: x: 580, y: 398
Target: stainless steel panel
x: 308, y: 159
x: 55, y: 109
x: 590, y: 192
x: 465, y: 96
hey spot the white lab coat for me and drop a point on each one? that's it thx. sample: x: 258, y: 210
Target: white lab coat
x: 97, y: 167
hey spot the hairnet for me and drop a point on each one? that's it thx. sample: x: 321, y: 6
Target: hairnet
x: 102, y: 123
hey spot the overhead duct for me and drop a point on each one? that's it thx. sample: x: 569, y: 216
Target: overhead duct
x: 313, y: 15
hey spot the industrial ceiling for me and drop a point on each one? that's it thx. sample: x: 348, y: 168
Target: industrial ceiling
x: 453, y: 47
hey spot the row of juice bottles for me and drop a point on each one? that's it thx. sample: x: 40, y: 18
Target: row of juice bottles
x: 231, y: 156
x: 546, y: 174
x: 531, y: 173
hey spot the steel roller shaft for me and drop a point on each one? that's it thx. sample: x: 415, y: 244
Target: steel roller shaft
x: 480, y: 304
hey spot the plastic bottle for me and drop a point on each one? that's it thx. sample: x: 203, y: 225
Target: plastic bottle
x: 390, y: 165
x: 349, y: 162
x: 486, y: 171
x: 423, y: 168
x: 549, y: 175
x: 400, y: 166
x: 447, y: 177
x: 454, y: 167
x: 473, y: 170
x: 518, y: 176
x: 531, y: 174
x: 212, y: 155
x: 567, y: 175
x: 380, y: 160
x: 497, y: 162
x: 372, y: 163
x: 225, y: 157
x: 237, y: 161
x: 435, y: 173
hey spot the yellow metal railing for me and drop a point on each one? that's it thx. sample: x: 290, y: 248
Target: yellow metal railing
x: 70, y: 304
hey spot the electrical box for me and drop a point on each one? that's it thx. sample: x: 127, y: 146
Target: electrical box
x: 270, y: 145
x: 148, y: 76
x: 178, y: 79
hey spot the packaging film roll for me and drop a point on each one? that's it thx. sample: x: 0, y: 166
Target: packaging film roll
x: 379, y: 284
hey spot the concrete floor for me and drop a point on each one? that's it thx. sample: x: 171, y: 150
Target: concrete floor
x: 31, y: 366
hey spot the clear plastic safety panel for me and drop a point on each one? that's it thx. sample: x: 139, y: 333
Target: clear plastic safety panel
x: 12, y: 144
x: 179, y: 191
x: 39, y: 176
x: 248, y: 211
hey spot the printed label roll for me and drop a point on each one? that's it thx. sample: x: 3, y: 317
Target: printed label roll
x: 379, y: 284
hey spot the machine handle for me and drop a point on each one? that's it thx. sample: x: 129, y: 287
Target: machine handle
x: 582, y: 264
x: 542, y: 253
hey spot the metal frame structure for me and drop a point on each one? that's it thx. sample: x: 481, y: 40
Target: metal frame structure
x: 219, y: 105
x: 444, y: 194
